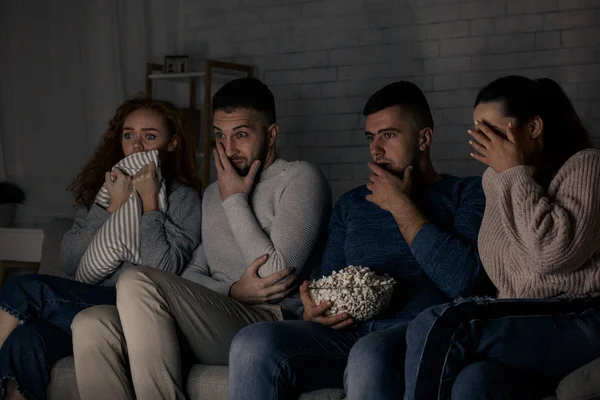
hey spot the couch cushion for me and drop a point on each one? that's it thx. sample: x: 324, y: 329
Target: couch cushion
x: 583, y: 383
x: 53, y: 235
x: 62, y: 381
x: 205, y: 382
x: 210, y: 382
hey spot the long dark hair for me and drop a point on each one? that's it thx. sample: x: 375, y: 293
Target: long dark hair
x: 523, y: 99
x: 179, y: 164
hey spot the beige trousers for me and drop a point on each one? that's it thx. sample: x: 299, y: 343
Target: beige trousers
x: 133, y: 350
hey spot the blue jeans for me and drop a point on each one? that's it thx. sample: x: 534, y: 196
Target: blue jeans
x: 281, y: 360
x: 45, y: 307
x: 499, y: 349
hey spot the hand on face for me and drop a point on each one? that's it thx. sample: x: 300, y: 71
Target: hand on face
x: 229, y: 180
x: 316, y: 313
x: 145, y: 182
x: 387, y: 189
x: 119, y: 188
x: 252, y: 289
x: 494, y: 150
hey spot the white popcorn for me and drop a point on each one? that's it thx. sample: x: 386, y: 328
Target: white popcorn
x: 355, y: 290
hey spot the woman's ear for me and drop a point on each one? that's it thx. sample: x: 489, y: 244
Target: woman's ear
x: 535, y: 127
x: 172, y: 144
x: 425, y: 138
x: 272, y: 133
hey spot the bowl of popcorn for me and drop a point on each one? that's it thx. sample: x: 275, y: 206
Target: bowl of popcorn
x: 356, y: 290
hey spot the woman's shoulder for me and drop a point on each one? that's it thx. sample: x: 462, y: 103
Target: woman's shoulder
x: 584, y: 161
x: 177, y: 189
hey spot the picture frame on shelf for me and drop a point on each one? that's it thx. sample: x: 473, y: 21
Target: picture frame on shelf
x: 176, y: 64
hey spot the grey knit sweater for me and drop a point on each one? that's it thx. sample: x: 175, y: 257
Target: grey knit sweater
x: 543, y: 244
x: 168, y: 241
x: 284, y: 217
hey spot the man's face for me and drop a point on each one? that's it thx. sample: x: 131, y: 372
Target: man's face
x: 393, y: 141
x: 244, y: 136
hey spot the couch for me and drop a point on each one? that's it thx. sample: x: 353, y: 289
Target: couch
x: 205, y: 381
x: 210, y: 381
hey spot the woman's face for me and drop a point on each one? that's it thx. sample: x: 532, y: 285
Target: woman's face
x: 491, y: 113
x: 145, y: 130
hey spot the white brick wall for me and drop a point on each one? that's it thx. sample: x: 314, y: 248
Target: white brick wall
x: 323, y: 59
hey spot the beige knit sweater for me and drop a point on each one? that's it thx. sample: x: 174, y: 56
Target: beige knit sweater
x: 543, y: 245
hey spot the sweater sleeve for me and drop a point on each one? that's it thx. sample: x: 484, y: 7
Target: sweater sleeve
x: 75, y: 242
x: 334, y: 254
x: 168, y: 241
x: 449, y: 257
x: 197, y: 271
x: 300, y: 215
x: 559, y: 229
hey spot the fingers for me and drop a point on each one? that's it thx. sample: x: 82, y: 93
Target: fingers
x: 479, y: 136
x: 307, y: 301
x: 256, y: 264
x: 478, y: 147
x: 254, y: 168
x: 225, y: 163
x: 218, y: 163
x: 118, y: 173
x: 108, y: 177
x: 373, y: 178
x: 277, y: 276
x: 319, y: 310
x: 510, y: 133
x: 408, y: 172
x: 479, y: 158
x: 278, y: 292
x: 343, y: 324
x: 377, y: 170
x: 370, y: 197
x: 340, y: 320
x: 150, y: 170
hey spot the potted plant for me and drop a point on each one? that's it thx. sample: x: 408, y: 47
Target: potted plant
x: 10, y: 195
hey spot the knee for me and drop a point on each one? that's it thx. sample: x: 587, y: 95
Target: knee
x: 368, y: 355
x: 475, y: 382
x: 133, y: 283
x: 375, y: 358
x: 421, y: 325
x: 131, y: 277
x: 94, y: 326
x: 255, y: 346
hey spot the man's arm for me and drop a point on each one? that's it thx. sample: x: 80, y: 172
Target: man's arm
x: 392, y: 193
x: 450, y: 257
x: 334, y: 254
x: 197, y: 271
x: 300, y: 217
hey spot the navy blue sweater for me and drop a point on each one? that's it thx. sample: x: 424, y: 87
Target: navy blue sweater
x: 441, y: 264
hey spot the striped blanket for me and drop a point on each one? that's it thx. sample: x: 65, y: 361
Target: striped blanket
x: 119, y: 239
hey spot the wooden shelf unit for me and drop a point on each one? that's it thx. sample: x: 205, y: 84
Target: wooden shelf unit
x: 214, y: 70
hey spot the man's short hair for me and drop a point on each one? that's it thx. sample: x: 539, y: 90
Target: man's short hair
x: 246, y: 93
x: 405, y: 95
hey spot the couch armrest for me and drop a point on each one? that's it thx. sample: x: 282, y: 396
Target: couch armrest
x: 53, y: 235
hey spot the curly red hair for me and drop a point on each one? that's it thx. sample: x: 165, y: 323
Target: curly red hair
x: 178, y: 164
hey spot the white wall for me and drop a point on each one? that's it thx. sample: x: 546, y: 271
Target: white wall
x: 324, y: 58
x: 65, y: 66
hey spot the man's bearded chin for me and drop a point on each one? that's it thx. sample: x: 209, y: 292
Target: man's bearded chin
x: 398, y: 171
x: 243, y: 169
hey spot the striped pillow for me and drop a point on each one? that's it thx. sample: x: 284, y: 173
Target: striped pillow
x: 119, y: 238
